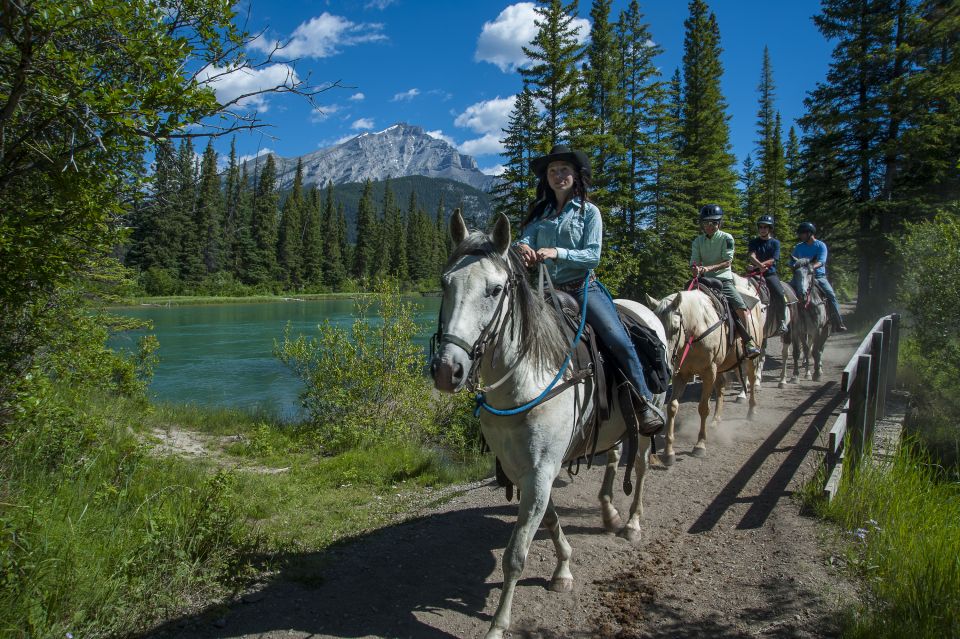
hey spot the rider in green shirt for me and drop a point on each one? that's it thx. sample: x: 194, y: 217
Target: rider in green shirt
x: 711, y: 255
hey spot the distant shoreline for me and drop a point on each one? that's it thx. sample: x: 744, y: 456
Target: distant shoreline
x: 210, y: 300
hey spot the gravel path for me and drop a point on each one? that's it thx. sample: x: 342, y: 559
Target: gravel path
x: 726, y: 551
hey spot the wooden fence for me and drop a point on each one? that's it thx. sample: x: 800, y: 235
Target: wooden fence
x: 867, y: 377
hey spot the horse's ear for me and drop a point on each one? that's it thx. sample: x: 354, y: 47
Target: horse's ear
x: 458, y: 228
x: 675, y: 304
x: 501, y: 234
x: 652, y: 302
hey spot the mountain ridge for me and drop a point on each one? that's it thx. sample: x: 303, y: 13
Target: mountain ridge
x: 401, y: 150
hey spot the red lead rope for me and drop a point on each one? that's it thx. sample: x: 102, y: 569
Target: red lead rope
x: 686, y: 349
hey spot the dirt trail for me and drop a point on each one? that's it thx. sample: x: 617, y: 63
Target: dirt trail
x: 725, y: 550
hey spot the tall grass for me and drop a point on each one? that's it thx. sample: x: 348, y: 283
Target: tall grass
x: 903, y: 526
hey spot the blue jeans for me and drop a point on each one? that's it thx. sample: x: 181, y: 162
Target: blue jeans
x: 828, y: 292
x: 602, y: 315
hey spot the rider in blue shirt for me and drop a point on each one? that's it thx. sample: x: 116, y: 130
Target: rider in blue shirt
x: 764, y: 252
x: 564, y: 231
x: 814, y: 250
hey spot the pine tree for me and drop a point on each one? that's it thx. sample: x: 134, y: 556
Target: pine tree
x: 346, y: 249
x: 263, y: 267
x: 594, y: 126
x: 155, y: 241
x: 441, y: 240
x: 231, y: 196
x: 553, y: 77
x: 851, y: 127
x: 184, y: 199
x: 209, y: 213
x: 290, y: 234
x: 366, y: 245
x: 334, y: 271
x: 516, y: 188
x: 313, y: 241
x: 397, y: 234
x: 641, y: 123
x: 418, y: 251
x: 792, y: 164
x: 751, y: 200
x: 771, y: 179
x: 244, y: 247
x: 705, y: 135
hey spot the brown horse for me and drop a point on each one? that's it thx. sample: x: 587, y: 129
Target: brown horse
x: 697, y: 338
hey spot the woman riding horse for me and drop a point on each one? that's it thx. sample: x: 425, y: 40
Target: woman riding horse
x: 764, y: 253
x: 563, y: 230
x: 815, y: 251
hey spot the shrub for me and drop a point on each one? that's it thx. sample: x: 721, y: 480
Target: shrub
x: 931, y: 350
x: 366, y: 384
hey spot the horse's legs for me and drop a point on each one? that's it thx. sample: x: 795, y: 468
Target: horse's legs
x: 719, y: 384
x: 562, y: 580
x: 784, y: 353
x: 534, y: 497
x: 611, y: 518
x: 818, y: 353
x: 631, y: 531
x: 796, y: 357
x: 753, y: 387
x: 806, y: 358
x: 680, y: 381
x: 708, y: 378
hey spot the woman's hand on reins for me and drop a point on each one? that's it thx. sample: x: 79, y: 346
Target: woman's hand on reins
x: 527, y: 254
x: 547, y: 254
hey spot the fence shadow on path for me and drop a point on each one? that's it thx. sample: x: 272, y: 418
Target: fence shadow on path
x: 763, y: 504
x: 430, y: 565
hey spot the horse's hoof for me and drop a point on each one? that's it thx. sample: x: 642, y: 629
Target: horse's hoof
x: 782, y: 385
x: 750, y: 415
x: 653, y: 460
x: 668, y: 460
x: 494, y: 633
x: 561, y: 584
x: 630, y: 534
x: 740, y: 397
x: 699, y: 452
x: 612, y: 524
x: 816, y: 377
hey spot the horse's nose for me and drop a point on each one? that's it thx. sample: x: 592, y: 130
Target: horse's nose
x: 457, y: 376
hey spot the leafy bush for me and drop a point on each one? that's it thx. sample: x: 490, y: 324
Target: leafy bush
x: 931, y: 350
x: 366, y: 384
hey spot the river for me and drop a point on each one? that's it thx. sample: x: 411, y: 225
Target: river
x: 222, y: 355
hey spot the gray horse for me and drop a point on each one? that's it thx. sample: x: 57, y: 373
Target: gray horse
x: 810, y: 325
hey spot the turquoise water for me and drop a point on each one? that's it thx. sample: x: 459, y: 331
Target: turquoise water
x: 222, y: 355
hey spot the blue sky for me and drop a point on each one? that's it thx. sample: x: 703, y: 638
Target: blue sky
x: 450, y: 66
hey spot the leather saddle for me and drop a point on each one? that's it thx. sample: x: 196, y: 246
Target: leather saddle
x: 713, y: 289
x: 760, y: 283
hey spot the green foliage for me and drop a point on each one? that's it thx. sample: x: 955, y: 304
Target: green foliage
x: 903, y: 541
x: 366, y: 385
x: 931, y: 354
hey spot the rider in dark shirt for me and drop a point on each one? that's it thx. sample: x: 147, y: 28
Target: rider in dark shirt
x: 764, y: 252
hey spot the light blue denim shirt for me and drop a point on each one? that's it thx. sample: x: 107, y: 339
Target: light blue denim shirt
x: 577, y: 234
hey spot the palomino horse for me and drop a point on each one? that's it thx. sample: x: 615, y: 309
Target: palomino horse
x: 811, y: 325
x: 697, y: 339
x: 770, y: 329
x: 491, y: 319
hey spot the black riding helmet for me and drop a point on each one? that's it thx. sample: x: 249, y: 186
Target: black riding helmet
x: 765, y: 219
x: 711, y: 212
x: 806, y: 227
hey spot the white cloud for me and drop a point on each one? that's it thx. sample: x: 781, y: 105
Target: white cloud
x: 406, y: 95
x: 323, y: 36
x: 229, y: 84
x: 501, y: 40
x: 438, y: 134
x: 489, y: 143
x: 489, y: 116
x: 323, y: 112
x: 362, y: 123
x: 357, y: 97
x: 378, y: 4
x: 494, y: 170
x: 244, y: 158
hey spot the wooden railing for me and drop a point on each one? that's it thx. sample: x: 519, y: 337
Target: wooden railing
x: 868, y: 376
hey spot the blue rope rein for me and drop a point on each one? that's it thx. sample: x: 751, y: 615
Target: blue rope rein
x: 481, y: 399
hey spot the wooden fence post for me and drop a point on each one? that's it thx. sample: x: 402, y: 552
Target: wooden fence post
x: 856, y: 414
x: 885, y: 370
x: 873, y: 388
x: 894, y: 351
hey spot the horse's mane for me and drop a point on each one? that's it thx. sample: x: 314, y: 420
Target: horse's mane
x: 532, y: 321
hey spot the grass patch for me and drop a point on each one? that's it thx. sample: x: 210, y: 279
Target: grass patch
x: 902, y: 523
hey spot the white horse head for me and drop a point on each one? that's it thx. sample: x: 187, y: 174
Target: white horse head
x: 484, y: 286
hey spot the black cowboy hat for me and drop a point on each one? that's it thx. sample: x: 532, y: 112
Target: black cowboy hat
x: 561, y: 153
